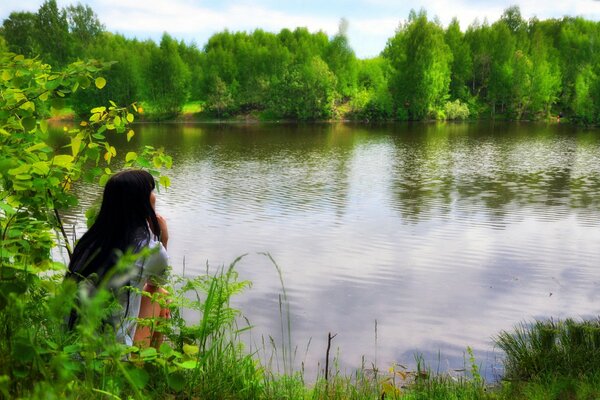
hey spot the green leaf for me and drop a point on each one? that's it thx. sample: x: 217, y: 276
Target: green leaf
x: 20, y: 169
x: 130, y: 134
x: 28, y: 105
x: 103, y: 180
x: 44, y: 126
x: 139, y: 377
x: 176, y: 381
x: 100, y: 82
x: 84, y: 82
x: 148, y: 353
x: 75, y: 145
x: 7, y: 208
x: 98, y: 110
x: 73, y: 348
x: 7, y: 75
x: 131, y: 156
x: 164, y: 348
x: 40, y: 168
x: 117, y: 121
x: 130, y: 117
x: 36, y: 147
x: 190, y: 364
x: 188, y: 349
x: 28, y: 123
x: 63, y: 160
x: 52, y: 84
x: 166, y: 182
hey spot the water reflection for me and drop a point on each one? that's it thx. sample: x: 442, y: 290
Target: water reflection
x: 443, y: 233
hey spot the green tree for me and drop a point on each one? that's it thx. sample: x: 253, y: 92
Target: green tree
x: 462, y: 63
x: 503, y: 60
x: 167, y: 80
x: 84, y: 26
x: 220, y: 100
x: 421, y: 60
x: 306, y: 92
x: 479, y: 38
x: 342, y: 61
x: 19, y: 32
x: 52, y: 32
x: 545, y: 75
x: 373, y: 100
x: 125, y: 76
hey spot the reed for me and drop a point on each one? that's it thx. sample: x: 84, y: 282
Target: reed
x: 557, y: 348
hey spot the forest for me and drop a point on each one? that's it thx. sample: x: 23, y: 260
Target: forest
x: 513, y: 69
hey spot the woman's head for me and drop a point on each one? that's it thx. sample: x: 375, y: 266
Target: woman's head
x: 126, y: 219
x: 127, y: 202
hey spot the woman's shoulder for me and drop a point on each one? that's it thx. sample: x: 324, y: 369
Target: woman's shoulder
x: 158, y: 260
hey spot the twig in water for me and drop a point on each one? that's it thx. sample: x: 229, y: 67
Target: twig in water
x: 329, y: 339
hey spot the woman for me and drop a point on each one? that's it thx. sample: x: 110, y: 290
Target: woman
x: 127, y: 221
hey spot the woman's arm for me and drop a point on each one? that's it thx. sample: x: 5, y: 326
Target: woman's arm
x: 164, y: 230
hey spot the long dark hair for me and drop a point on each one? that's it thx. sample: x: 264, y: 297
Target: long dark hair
x: 126, y: 221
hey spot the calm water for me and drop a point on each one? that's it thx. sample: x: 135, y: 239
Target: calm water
x: 443, y: 234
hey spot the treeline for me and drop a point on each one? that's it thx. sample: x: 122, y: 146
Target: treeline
x: 513, y: 68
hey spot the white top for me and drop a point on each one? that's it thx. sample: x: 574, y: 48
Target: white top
x: 150, y: 269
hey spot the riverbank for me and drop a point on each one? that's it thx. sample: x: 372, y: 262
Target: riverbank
x: 194, y: 112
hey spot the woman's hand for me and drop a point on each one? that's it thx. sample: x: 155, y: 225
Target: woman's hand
x: 164, y: 231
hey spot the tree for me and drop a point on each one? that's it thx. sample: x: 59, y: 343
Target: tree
x: 125, y: 77
x: 503, y: 58
x: 373, y: 100
x: 341, y: 60
x: 479, y: 38
x: 167, y: 79
x: 306, y: 92
x: 421, y: 60
x: 220, y: 100
x: 462, y: 63
x: 52, y: 31
x: 545, y: 75
x: 84, y: 25
x: 19, y: 32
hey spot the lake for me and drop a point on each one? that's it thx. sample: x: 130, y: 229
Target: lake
x: 401, y: 238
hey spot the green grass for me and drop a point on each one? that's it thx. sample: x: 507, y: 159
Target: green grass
x: 559, y: 348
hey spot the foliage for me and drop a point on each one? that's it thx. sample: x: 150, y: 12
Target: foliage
x: 456, y: 110
x: 220, y: 99
x: 52, y: 25
x: 305, y: 92
x: 342, y: 62
x: 167, y: 79
x: 512, y: 68
x: 421, y: 60
x: 36, y: 178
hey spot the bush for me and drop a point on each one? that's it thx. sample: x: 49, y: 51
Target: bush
x: 456, y: 110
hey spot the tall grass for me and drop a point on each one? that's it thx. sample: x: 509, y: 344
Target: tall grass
x: 560, y: 348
